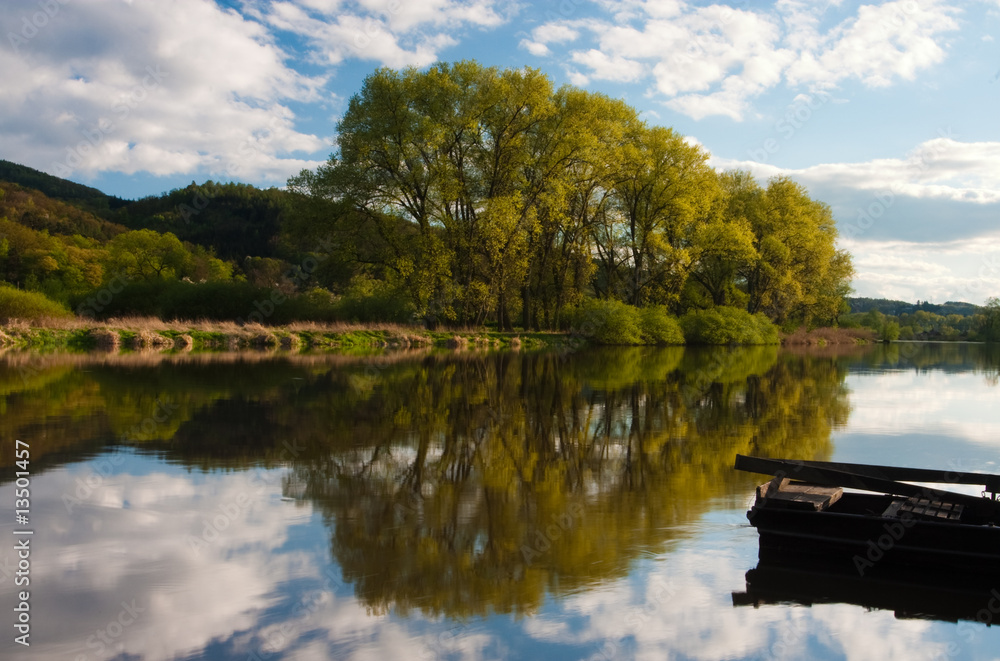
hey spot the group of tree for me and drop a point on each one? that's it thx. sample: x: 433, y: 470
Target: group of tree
x: 202, y: 251
x: 895, y: 308
x: 58, y: 250
x: 480, y: 195
x: 85, y: 197
x: 981, y: 323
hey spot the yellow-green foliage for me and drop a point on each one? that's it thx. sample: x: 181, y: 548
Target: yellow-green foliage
x: 725, y: 325
x: 659, y: 327
x: 615, y: 323
x: 609, y: 322
x: 26, y: 305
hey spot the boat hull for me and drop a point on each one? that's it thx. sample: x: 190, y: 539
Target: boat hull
x: 867, y: 541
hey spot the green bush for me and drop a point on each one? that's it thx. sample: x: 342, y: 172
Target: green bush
x: 369, y: 300
x: 726, y: 325
x: 890, y: 332
x: 28, y: 305
x: 608, y: 322
x: 658, y: 327
x: 176, y: 299
x: 317, y: 304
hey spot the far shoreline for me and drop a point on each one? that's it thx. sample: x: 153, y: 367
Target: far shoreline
x: 146, y: 333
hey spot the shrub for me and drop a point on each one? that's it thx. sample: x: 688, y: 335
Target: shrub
x: 314, y: 305
x: 727, y: 325
x: 608, y: 322
x: 369, y: 300
x: 890, y: 333
x: 28, y: 305
x: 658, y: 327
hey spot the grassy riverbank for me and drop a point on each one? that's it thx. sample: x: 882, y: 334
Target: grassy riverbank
x: 143, y: 333
x: 148, y: 333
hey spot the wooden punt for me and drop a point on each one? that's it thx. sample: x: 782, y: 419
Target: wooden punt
x: 873, y: 516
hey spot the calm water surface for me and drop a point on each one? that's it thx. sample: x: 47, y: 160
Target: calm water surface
x: 458, y: 506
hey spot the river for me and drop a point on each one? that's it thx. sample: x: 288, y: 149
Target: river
x: 457, y: 505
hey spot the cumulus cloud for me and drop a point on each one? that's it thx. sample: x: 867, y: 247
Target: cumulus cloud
x: 152, y: 87
x: 155, y: 88
x: 714, y: 60
x: 942, y: 189
x: 393, y: 33
x: 920, y: 225
x: 956, y: 270
x: 192, y: 87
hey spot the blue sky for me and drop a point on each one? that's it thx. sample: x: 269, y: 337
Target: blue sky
x: 885, y: 111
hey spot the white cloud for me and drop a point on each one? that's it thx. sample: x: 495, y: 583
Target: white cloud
x: 395, y: 34
x: 154, y: 87
x: 942, y: 168
x: 191, y: 87
x: 895, y: 39
x: 608, y: 68
x: 714, y: 60
x: 535, y: 48
x: 920, y: 225
x: 555, y: 33
x: 957, y: 270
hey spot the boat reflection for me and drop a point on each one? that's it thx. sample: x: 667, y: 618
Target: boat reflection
x: 910, y: 593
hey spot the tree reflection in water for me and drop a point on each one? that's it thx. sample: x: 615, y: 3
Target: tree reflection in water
x: 465, y: 484
x: 461, y: 483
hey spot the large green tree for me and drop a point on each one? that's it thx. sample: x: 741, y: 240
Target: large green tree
x: 486, y: 195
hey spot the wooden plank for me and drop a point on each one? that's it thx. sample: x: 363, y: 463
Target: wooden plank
x: 900, y: 474
x: 799, y: 470
x: 792, y: 495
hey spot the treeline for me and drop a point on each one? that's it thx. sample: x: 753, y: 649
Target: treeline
x: 983, y: 324
x: 891, y: 307
x: 471, y: 195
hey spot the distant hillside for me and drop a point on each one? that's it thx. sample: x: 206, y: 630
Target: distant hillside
x: 79, y: 195
x: 896, y: 308
x: 37, y: 211
x: 236, y: 220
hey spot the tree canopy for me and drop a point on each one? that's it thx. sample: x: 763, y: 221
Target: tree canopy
x: 482, y: 194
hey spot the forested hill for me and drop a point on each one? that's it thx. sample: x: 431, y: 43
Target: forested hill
x: 35, y: 210
x: 63, y: 190
x: 235, y: 220
x: 896, y: 308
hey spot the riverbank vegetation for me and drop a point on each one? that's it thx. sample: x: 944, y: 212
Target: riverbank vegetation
x: 152, y: 334
x: 917, y: 322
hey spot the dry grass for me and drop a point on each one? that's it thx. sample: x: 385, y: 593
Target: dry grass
x: 143, y: 333
x: 146, y: 339
x: 105, y: 339
x: 343, y: 327
x: 457, y: 342
x: 828, y: 336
